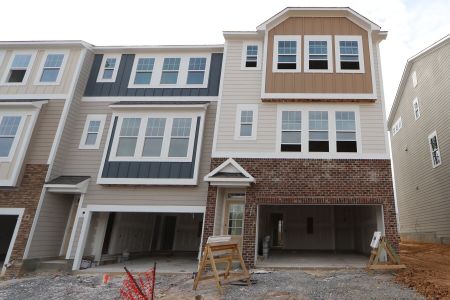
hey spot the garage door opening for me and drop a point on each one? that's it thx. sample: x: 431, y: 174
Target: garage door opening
x: 316, y: 235
x: 137, y: 240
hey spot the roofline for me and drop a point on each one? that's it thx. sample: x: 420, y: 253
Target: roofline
x: 242, y: 34
x: 161, y: 47
x: 47, y: 43
x: 374, y: 26
x: 433, y: 47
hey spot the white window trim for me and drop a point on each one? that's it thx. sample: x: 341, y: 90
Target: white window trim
x: 244, y: 55
x: 416, y: 101
x: 431, y: 150
x: 102, y: 67
x: 337, y: 50
x: 414, y: 78
x: 27, y: 72
x: 276, y: 39
x: 331, y: 109
x: 397, y: 126
x: 141, y: 136
x: 182, y: 71
x: 309, y: 38
x: 37, y: 80
x: 89, y: 118
x: 12, y: 151
x: 237, y: 124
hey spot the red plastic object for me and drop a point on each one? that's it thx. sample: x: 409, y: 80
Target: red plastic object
x: 140, y: 286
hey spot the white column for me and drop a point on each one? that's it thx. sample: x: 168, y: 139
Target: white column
x: 82, y: 240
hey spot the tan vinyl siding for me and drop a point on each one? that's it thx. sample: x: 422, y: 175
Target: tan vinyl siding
x: 44, y: 132
x: 30, y: 87
x: 302, y: 82
x: 422, y: 191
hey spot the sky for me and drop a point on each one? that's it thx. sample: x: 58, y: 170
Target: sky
x: 412, y: 24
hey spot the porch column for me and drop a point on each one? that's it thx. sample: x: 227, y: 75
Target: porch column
x: 250, y: 221
x: 82, y: 240
x: 208, y: 227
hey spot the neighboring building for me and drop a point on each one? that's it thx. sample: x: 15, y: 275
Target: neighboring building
x: 300, y: 149
x: 420, y: 137
x: 139, y: 139
x: 38, y: 81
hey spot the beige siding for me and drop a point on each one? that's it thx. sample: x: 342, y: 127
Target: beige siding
x: 30, y: 87
x: 423, y: 192
x: 44, y: 132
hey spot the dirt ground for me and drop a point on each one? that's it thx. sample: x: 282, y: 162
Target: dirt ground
x: 428, y: 269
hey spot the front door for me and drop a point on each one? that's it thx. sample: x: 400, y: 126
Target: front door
x: 234, y: 220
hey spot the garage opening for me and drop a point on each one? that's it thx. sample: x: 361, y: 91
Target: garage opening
x: 7, y: 226
x: 137, y: 240
x: 316, y: 235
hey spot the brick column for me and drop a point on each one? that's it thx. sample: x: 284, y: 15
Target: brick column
x: 210, y: 212
x: 390, y: 223
x: 250, y: 223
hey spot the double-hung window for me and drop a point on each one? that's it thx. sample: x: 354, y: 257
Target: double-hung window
x: 19, y: 68
x: 416, y: 108
x: 346, y: 131
x: 171, y: 66
x: 251, y: 57
x: 196, y: 71
x: 434, y: 149
x: 397, y: 126
x: 154, y: 136
x: 318, y: 54
x: 246, y: 121
x: 349, y: 54
x: 291, y: 131
x: 52, y: 68
x: 128, y: 137
x: 108, y: 68
x: 286, y: 53
x: 93, y: 131
x: 179, y: 140
x: 144, y: 70
x: 318, y: 131
x: 9, y: 126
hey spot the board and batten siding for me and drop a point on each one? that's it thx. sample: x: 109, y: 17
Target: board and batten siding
x: 423, y: 191
x: 30, y: 87
x: 244, y: 87
x: 301, y: 82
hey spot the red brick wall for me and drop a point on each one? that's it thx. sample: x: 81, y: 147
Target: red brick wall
x: 25, y: 195
x: 310, y: 181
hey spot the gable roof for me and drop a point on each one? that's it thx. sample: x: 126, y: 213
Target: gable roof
x: 430, y: 49
x: 229, y: 173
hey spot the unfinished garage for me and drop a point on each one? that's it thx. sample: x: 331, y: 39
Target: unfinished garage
x: 138, y: 239
x: 328, y: 235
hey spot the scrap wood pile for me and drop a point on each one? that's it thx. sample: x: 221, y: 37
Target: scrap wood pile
x: 139, y: 287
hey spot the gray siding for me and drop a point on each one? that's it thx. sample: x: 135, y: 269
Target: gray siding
x: 423, y: 191
x: 120, y: 86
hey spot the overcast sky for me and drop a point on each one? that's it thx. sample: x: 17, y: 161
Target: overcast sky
x: 412, y: 24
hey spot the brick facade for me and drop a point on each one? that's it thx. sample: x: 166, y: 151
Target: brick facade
x: 25, y: 195
x: 310, y: 181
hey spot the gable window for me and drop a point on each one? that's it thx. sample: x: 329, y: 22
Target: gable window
x: 179, y: 141
x: 144, y: 69
x: 318, y: 54
x: 196, y: 71
x: 318, y: 131
x: 246, y: 121
x: 128, y: 137
x: 416, y: 109
x: 434, y: 149
x: 9, y: 126
x: 170, y: 70
x: 93, y: 131
x: 397, y: 126
x: 19, y: 68
x: 51, y: 70
x: 286, y: 53
x: 346, y: 131
x: 291, y: 131
x: 108, y: 69
x: 154, y: 135
x: 349, y: 54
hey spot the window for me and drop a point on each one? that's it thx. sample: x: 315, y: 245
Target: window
x: 416, y: 109
x: 196, y: 71
x: 93, y: 131
x: 235, y: 219
x: 346, y: 131
x: 397, y: 126
x: 251, y: 55
x: 170, y: 70
x: 434, y: 149
x: 246, y: 121
x: 154, y: 135
x: 51, y: 70
x: 318, y: 131
x: 109, y: 67
x: 349, y: 54
x: 128, y: 137
x: 9, y: 126
x: 143, y: 70
x: 18, y: 69
x: 179, y: 142
x: 414, y: 79
x: 286, y: 53
x: 291, y: 134
x: 318, y: 54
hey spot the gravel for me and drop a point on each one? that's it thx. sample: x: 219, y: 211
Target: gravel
x: 343, y: 284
